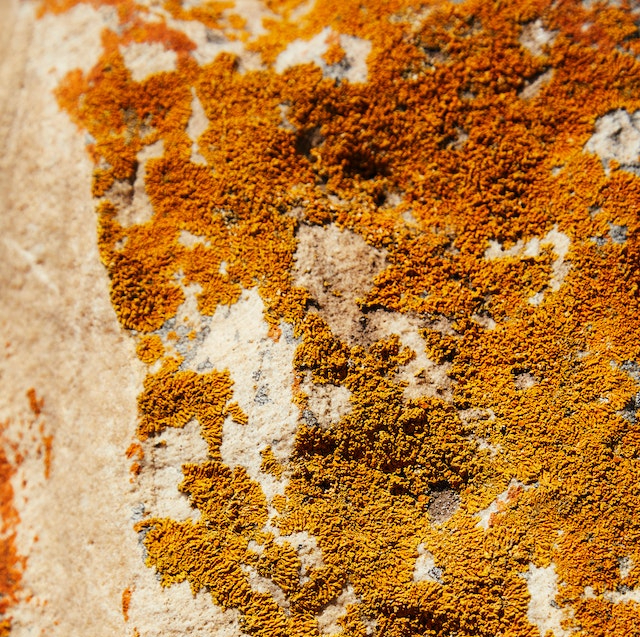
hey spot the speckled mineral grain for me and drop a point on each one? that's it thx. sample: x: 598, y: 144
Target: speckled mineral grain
x: 320, y: 318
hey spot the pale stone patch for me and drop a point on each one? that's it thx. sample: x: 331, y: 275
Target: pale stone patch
x: 188, y: 313
x: 262, y: 371
x: 164, y: 455
x: 77, y: 37
x: 559, y: 269
x: 356, y: 51
x: 544, y: 613
x: 284, y: 119
x: 468, y: 416
x: 370, y: 625
x: 133, y: 203
x: 625, y: 566
x: 337, y: 267
x: 241, y: 448
x: 304, y: 51
x: 623, y: 594
x: 589, y: 4
x: 623, y: 597
x: 301, y: 10
x: 175, y: 611
x: 188, y: 240
x: 262, y: 584
x: 535, y: 37
x: 524, y: 381
x: 560, y: 243
x: 328, y: 403
x: 305, y: 545
x: 352, y: 68
x: 198, y: 124
x: 158, y: 487
x: 423, y: 376
x: 534, y: 87
x: 616, y: 138
x: 147, y: 58
x: 414, y: 16
x: 484, y: 320
x: 484, y: 515
x: 461, y: 138
x: 425, y: 569
x: 175, y: 333
x: 408, y: 218
x: 210, y: 43
x: 328, y: 618
x: 308, y: 551
x: 235, y: 338
x: 617, y: 233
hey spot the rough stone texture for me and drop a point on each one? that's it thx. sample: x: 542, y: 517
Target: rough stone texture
x: 87, y: 477
x: 61, y: 338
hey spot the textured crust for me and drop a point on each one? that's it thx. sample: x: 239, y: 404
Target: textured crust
x: 487, y: 206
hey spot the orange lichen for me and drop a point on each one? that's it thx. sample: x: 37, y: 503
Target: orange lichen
x: 36, y: 404
x: 135, y: 450
x: 47, y: 442
x: 441, y: 161
x: 126, y: 602
x: 335, y: 53
x: 237, y: 415
x: 11, y: 563
x: 150, y: 349
x: 172, y: 399
x: 270, y: 463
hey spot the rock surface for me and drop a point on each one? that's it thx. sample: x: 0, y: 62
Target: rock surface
x: 319, y: 318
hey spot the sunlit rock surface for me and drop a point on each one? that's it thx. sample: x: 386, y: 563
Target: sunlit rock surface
x: 319, y: 318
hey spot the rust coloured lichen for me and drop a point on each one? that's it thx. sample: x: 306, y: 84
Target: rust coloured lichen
x: 11, y: 563
x: 17, y: 444
x: 439, y: 161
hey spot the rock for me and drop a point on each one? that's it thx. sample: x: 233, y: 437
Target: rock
x: 319, y: 318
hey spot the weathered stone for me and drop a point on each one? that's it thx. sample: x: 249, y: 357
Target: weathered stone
x: 319, y: 318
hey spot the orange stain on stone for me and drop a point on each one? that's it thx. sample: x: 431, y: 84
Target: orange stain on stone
x: 31, y: 440
x: 126, y: 602
x: 11, y: 563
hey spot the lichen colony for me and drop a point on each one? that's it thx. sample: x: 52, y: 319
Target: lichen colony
x: 473, y: 336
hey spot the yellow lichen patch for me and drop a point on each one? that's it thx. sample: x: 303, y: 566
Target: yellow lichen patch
x: 270, y: 463
x: 335, y: 53
x: 172, y: 399
x: 150, y: 349
x: 508, y: 262
x: 235, y: 411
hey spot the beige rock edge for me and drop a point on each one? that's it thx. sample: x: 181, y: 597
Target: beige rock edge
x: 60, y: 336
